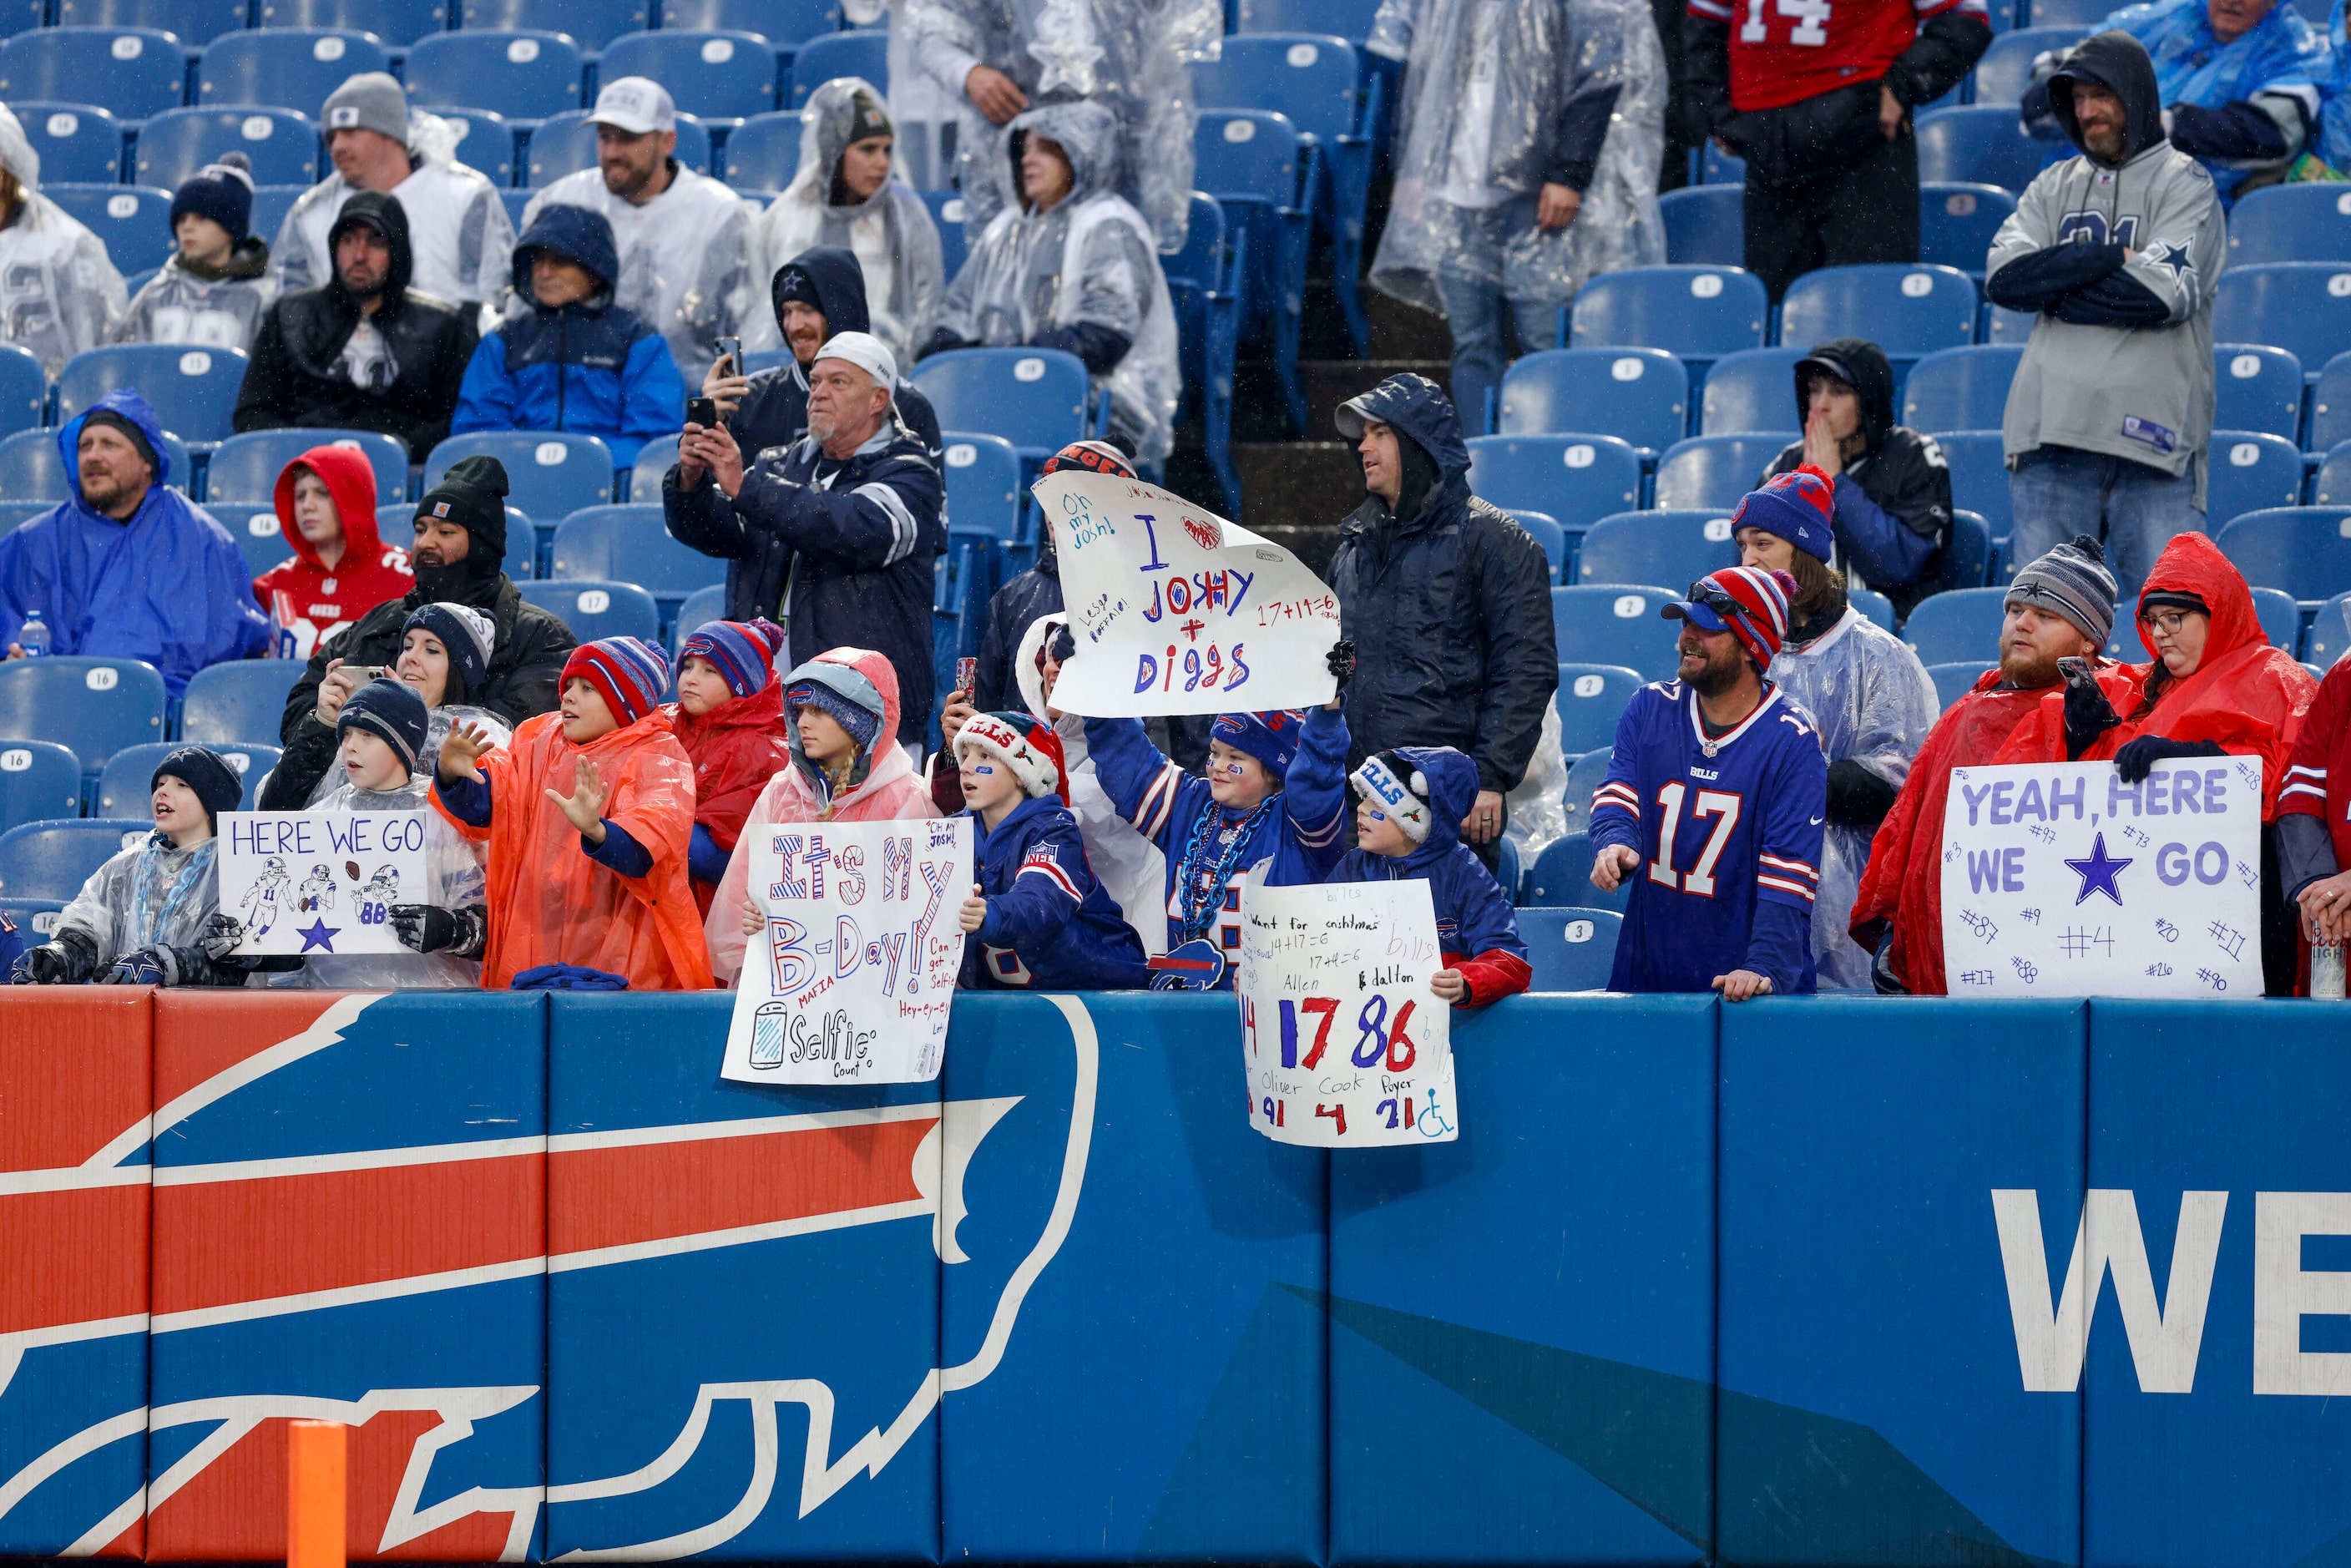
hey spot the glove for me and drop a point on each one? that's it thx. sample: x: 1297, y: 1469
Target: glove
x: 46, y: 965
x: 147, y: 967
x: 220, y: 935
x: 1341, y: 662
x: 2134, y: 760
x: 1881, y: 968
x: 423, y: 927
x: 2088, y: 714
x: 1857, y: 797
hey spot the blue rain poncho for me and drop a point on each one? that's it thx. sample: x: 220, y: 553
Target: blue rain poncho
x: 2282, y: 66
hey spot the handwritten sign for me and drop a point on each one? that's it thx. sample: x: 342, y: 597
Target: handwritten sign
x: 321, y: 882
x: 2060, y: 880
x: 851, y: 981
x: 1177, y: 611
x: 1345, y: 1045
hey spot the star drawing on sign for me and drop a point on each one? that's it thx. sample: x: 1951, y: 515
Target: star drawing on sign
x: 2099, y: 872
x: 318, y: 933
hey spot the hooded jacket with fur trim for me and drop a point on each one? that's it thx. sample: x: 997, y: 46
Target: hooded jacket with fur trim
x: 307, y: 601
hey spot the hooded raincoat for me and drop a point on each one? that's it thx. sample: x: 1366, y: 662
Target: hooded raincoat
x: 2246, y: 109
x: 462, y: 239
x: 168, y: 585
x: 1083, y: 277
x: 1501, y: 101
x: 550, y: 902
x: 736, y: 748
x: 182, y: 305
x: 64, y: 295
x: 308, y: 601
x: 882, y: 787
x: 890, y: 232
x: 454, y: 866
x: 774, y: 410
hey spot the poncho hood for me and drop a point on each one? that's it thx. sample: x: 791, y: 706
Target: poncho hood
x: 1087, y: 135
x: 130, y: 406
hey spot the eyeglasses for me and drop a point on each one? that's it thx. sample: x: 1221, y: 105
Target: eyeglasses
x: 2166, y: 622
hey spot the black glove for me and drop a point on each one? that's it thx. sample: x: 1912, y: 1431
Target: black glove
x: 2088, y: 714
x: 2136, y: 757
x: 220, y: 935
x: 1341, y: 662
x: 423, y: 927
x: 1857, y: 797
x: 70, y: 960
x: 1881, y: 968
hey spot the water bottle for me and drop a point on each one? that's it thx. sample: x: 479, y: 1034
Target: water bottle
x: 33, y: 635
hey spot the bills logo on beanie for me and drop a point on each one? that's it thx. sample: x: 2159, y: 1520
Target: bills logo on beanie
x: 629, y: 672
x: 1798, y: 506
x: 742, y: 652
x: 1023, y: 744
x: 1270, y: 737
x: 1748, y: 601
x: 1399, y: 790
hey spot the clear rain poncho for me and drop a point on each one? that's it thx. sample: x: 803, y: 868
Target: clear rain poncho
x: 61, y: 293
x: 891, y: 233
x: 1128, y: 55
x: 1485, y: 91
x: 155, y: 896
x: 455, y: 867
x: 1090, y: 261
x: 1875, y: 702
x: 438, y: 723
x: 460, y: 240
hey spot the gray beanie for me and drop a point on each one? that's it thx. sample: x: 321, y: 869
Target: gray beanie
x: 372, y: 100
x: 2071, y: 580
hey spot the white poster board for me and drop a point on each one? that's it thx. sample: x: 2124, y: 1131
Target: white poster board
x: 1345, y: 1045
x: 1177, y: 611
x: 2060, y: 880
x: 320, y: 881
x: 851, y: 980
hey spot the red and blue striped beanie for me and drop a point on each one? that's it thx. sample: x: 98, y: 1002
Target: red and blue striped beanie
x: 742, y: 652
x: 1750, y: 602
x: 629, y: 672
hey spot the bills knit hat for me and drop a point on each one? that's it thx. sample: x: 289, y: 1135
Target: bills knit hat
x: 861, y: 725
x: 1398, y: 788
x: 2072, y: 580
x: 1748, y: 601
x: 473, y: 494
x: 1026, y: 745
x: 1798, y: 507
x: 1270, y: 737
x: 742, y: 652
x: 390, y: 710
x: 221, y: 191
x: 371, y: 101
x: 629, y: 672
x: 207, y: 773
x: 470, y: 637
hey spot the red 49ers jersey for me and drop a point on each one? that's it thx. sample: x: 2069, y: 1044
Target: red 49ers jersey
x: 1784, y: 51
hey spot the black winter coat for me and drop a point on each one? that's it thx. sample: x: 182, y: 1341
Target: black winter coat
x: 774, y: 410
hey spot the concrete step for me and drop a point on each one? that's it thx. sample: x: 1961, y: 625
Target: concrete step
x: 1311, y: 484
x: 1330, y: 383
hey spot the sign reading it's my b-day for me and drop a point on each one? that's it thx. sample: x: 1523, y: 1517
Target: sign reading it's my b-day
x: 1177, y: 611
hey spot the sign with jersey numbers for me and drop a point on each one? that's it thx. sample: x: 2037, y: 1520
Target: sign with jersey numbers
x: 320, y: 881
x: 851, y: 978
x: 1177, y: 611
x: 1344, y: 1043
x: 2060, y: 880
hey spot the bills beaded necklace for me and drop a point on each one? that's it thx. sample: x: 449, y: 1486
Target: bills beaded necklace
x: 1202, y: 884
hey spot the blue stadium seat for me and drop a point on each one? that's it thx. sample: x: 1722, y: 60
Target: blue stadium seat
x: 396, y: 522
x: 39, y: 781
x: 2006, y: 69
x: 255, y: 528
x: 1205, y: 285
x: 2281, y: 618
x: 1604, y: 623
x: 1955, y: 678
x: 245, y: 468
x: 1960, y: 388
x: 528, y: 75
x: 1965, y: 560
x: 592, y: 24
x: 485, y: 143
x: 2071, y: 12
x: 1716, y: 167
x: 78, y: 142
x: 2247, y: 471
x: 2004, y: 326
x: 594, y: 610
x: 983, y: 483
x: 238, y: 702
x: 31, y: 470
x: 1589, y: 699
x: 1561, y: 878
x: 2330, y: 406
x: 629, y: 544
x: 24, y: 390
x: 35, y: 917
x: 193, y: 21
x: 1752, y: 390
x: 1715, y: 470
x: 566, y: 143
x: 1251, y: 161
x: 397, y: 21
x: 1583, y: 776
x: 859, y: 52
x: 15, y: 515
x: 1700, y: 313
x: 1546, y: 532
x: 1349, y: 19
x: 1577, y: 479
x: 1905, y: 310
x: 1874, y: 606
x: 784, y: 23
x: 193, y: 390
x: 1956, y: 627
x: 1573, y: 948
x: 1680, y: 545
x: 270, y: 206
x: 2260, y: 388
x: 130, y: 72
x: 1978, y: 477
x: 1705, y: 225
x: 96, y: 706
x: 2332, y: 485
x: 2302, y: 307
x: 549, y: 474
x: 654, y: 459
x: 52, y: 860
x: 763, y: 153
x: 1977, y: 146
x: 1639, y: 395
x: 2329, y: 637
x: 133, y: 221
x: 1956, y: 225
x: 282, y: 145
x: 1034, y: 398
x: 123, y: 786
x: 2290, y: 223
x: 702, y: 606
x: 294, y: 66
x: 713, y: 75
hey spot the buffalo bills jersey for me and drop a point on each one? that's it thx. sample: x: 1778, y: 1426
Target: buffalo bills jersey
x: 1724, y: 827
x: 1049, y: 926
x: 1784, y: 51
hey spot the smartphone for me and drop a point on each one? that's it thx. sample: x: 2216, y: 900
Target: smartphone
x: 376, y: 671
x: 966, y: 674
x: 2075, y: 669
x: 730, y: 350
x: 703, y: 412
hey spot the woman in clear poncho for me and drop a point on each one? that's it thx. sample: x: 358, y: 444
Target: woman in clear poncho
x: 888, y: 229
x: 64, y: 295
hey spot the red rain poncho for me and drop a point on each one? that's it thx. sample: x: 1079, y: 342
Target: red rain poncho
x: 736, y: 748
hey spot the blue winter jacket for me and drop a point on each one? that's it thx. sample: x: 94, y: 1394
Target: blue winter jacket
x: 1050, y: 925
x: 169, y: 586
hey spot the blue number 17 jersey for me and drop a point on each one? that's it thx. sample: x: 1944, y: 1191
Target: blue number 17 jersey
x: 1724, y: 827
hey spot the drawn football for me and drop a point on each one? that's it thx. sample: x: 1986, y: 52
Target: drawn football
x: 351, y: 870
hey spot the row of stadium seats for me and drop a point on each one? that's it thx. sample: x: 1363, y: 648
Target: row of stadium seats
x: 194, y: 24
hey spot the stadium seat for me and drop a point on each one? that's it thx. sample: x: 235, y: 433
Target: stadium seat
x: 2281, y: 618
x: 1959, y: 388
x: 397, y: 21
x: 2305, y: 550
x: 1752, y: 391
x: 2260, y: 388
x: 566, y: 143
x: 245, y: 468
x: 96, y: 706
x: 32, y: 471
x: 593, y: 610
x: 1034, y: 398
x: 2332, y: 485
x: 2302, y: 307
x: 2329, y: 636
x: 1572, y: 949
x: 237, y: 702
x: 549, y: 474
x: 1251, y: 161
x: 133, y: 221
x: 282, y: 145
x: 1705, y: 225
x: 1583, y: 776
x: 52, y: 860
x: 1657, y: 547
x: 1561, y: 878
x: 1715, y: 470
x: 485, y: 143
x: 2330, y: 406
x: 2071, y: 12
x: 39, y: 781
x: 528, y: 75
x: 123, y: 786
x: 654, y: 459
x: 298, y: 66
x: 1617, y: 624
x: 784, y: 23
x: 1874, y: 606
x: 396, y: 522
x: 982, y: 473
x: 629, y: 544
x: 1965, y: 560
x: 712, y: 75
x: 193, y: 390
x: 24, y: 390
x: 1956, y: 225
x: 1349, y: 19
x: 1577, y: 479
x: 763, y: 153
x: 193, y: 21
x: 2290, y: 223
x: 15, y: 515
x: 271, y: 203
x: 37, y: 918
x: 1957, y: 678
x: 1956, y: 627
x: 1905, y: 310
x: 1977, y: 146
x: 2247, y: 471
x: 1589, y: 699
x: 255, y: 528
x: 2006, y: 69
x: 1205, y: 285
x: 1978, y: 477
x: 701, y: 607
x: 78, y: 142
x: 1546, y: 532
x: 1700, y: 313
x: 130, y: 72
x: 592, y: 24
x: 1638, y: 395
x: 2005, y: 327
x: 859, y: 52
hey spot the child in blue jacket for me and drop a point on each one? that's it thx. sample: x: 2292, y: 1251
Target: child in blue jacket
x: 1039, y: 919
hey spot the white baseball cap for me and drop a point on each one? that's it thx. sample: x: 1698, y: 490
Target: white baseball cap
x: 867, y: 352
x: 636, y: 105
